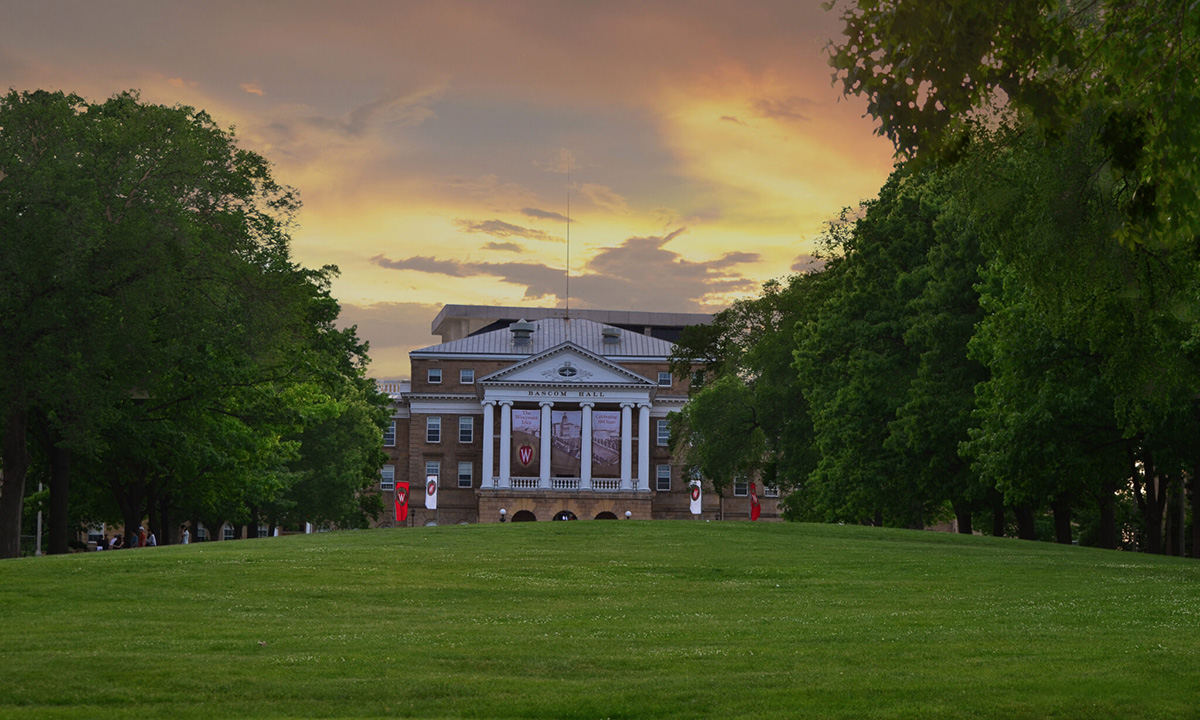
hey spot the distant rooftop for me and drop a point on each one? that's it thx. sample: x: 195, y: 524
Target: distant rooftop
x: 456, y: 322
x: 547, y: 333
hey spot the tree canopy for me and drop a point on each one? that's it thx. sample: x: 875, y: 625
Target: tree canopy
x: 156, y: 329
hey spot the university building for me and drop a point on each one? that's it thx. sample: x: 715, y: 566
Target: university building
x: 524, y: 414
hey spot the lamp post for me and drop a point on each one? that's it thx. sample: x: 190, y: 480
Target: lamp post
x: 503, y: 512
x: 628, y: 514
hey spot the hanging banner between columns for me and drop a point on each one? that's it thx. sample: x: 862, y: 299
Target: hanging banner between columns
x: 606, y: 443
x: 566, y: 442
x: 526, y: 439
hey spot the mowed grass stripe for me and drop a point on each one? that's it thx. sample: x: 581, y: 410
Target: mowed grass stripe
x: 603, y: 619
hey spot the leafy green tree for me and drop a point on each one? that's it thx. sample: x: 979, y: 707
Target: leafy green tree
x: 153, y: 317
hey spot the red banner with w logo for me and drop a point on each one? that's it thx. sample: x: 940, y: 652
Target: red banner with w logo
x: 401, y: 502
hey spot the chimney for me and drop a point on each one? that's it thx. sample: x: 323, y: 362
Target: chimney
x: 521, y: 331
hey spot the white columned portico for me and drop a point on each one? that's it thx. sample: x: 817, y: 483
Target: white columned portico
x: 585, y: 448
x: 544, y: 459
x: 644, y: 446
x: 487, y: 476
x: 626, y: 445
x: 505, y: 443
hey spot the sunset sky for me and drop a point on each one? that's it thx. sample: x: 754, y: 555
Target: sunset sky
x: 429, y: 141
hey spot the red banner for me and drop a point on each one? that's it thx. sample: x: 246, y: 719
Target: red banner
x: 755, y: 508
x: 401, y: 502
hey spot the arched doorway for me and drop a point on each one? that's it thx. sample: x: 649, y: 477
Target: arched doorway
x: 606, y: 515
x: 565, y: 515
x: 524, y: 516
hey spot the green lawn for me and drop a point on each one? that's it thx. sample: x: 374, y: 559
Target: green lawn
x: 603, y: 619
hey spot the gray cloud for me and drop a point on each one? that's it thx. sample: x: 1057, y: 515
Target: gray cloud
x: 639, y: 273
x: 807, y: 263
x: 791, y: 108
x: 501, y: 229
x: 392, y: 329
x: 544, y: 214
x: 504, y: 247
x: 732, y: 119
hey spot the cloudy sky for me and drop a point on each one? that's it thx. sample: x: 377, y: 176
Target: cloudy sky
x: 431, y: 141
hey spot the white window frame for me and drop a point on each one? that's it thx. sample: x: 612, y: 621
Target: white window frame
x: 663, y: 432
x: 201, y: 533
x: 434, y: 467
x: 433, y: 429
x: 227, y: 532
x: 663, y: 375
x: 264, y: 530
x: 467, y: 479
x: 662, y: 476
x: 389, y: 435
x: 741, y: 489
x: 466, y: 376
x: 466, y: 423
x: 769, y: 491
x: 387, y: 478
x: 434, y: 376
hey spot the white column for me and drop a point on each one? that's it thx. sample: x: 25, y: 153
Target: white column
x: 626, y: 445
x: 544, y: 459
x: 585, y: 449
x: 505, y: 443
x: 487, y: 476
x: 644, y: 446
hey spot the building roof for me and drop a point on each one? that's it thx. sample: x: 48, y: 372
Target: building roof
x: 457, y: 321
x: 551, y: 332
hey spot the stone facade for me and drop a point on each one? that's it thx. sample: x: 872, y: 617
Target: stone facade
x: 573, y: 386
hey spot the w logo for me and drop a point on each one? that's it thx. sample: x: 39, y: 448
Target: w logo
x: 525, y: 454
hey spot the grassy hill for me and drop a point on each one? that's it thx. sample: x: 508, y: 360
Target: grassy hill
x: 603, y: 619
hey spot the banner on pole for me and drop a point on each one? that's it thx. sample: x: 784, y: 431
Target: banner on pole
x: 606, y: 444
x: 526, y: 441
x: 755, y: 508
x: 401, y: 502
x: 566, y: 442
x: 431, y: 487
x: 694, y: 487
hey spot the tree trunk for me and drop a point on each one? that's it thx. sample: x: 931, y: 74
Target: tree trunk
x: 60, y: 500
x: 1192, y: 482
x: 1026, y: 527
x: 997, y: 501
x: 1107, y: 538
x: 129, y: 501
x: 1061, y: 506
x: 1152, y: 507
x: 962, y: 514
x: 12, y: 492
x: 165, y: 531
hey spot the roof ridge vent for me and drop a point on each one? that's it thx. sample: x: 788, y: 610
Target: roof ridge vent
x: 610, y: 335
x: 522, y: 331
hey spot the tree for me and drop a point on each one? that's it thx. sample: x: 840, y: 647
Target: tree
x: 153, y: 316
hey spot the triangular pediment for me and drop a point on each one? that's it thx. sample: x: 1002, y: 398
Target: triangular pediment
x: 566, y: 364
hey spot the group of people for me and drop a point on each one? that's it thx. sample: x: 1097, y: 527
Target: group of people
x: 139, y: 539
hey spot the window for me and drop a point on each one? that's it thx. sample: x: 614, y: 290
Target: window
x: 389, y: 435
x: 96, y: 534
x: 664, y: 478
x: 435, y: 376
x: 263, y: 531
x: 769, y: 491
x: 387, y: 477
x: 741, y: 489
x: 433, y: 467
x: 201, y: 533
x: 466, y: 429
x: 226, y: 532
x: 433, y: 429
x: 664, y: 378
x: 464, y: 474
x: 664, y: 432
x: 466, y: 377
